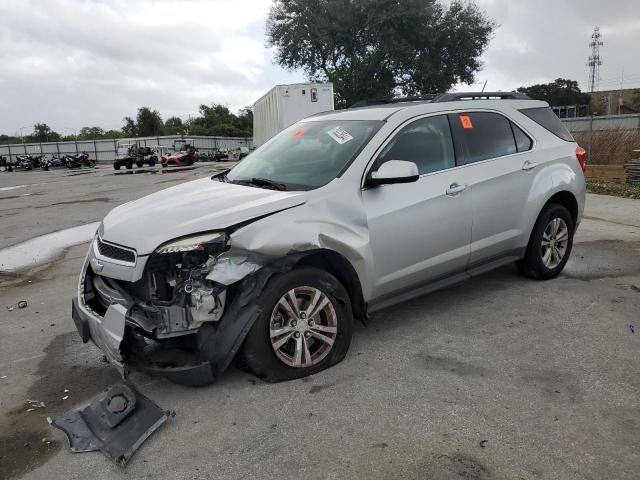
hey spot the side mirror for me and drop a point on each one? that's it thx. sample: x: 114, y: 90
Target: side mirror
x: 394, y: 171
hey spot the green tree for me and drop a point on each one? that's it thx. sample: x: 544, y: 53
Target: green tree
x: 112, y: 134
x: 149, y: 123
x: 8, y: 139
x: 380, y: 48
x: 43, y: 133
x: 91, y: 133
x: 215, y: 120
x: 561, y: 92
x: 244, y: 121
x: 129, y: 128
x: 173, y: 126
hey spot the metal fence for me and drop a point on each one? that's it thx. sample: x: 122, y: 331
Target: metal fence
x: 608, y: 122
x: 105, y: 150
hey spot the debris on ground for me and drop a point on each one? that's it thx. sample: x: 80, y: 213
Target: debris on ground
x: 632, y: 328
x: 483, y: 443
x: 33, y: 404
x: 116, y: 422
x: 20, y: 304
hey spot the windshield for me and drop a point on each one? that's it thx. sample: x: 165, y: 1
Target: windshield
x: 123, y: 150
x: 307, y: 155
x: 180, y: 146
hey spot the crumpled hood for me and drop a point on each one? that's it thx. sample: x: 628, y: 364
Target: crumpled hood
x: 190, y: 208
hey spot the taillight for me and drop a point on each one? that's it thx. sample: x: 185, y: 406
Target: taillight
x: 581, y: 155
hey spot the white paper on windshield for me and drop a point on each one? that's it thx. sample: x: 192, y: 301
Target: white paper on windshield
x: 340, y: 135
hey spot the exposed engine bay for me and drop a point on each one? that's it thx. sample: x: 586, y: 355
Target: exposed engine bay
x: 173, y: 297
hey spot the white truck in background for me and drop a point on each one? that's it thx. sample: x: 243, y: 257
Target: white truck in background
x: 284, y: 105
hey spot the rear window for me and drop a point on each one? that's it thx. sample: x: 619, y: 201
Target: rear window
x: 482, y: 135
x: 545, y: 117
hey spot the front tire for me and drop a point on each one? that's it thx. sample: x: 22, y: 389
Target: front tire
x: 550, y: 244
x: 305, y: 326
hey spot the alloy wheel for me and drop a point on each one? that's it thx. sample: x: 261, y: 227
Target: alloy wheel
x: 303, y: 327
x: 555, y: 240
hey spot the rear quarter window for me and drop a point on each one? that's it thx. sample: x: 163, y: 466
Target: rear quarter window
x: 545, y: 117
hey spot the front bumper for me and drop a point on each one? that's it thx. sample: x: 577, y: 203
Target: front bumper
x: 106, y: 335
x: 121, y: 346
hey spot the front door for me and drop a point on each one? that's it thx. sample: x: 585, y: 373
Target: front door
x: 420, y: 231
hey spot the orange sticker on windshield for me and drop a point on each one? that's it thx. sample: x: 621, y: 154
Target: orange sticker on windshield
x: 298, y: 134
x: 465, y: 120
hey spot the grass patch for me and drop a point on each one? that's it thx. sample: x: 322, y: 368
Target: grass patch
x: 611, y: 188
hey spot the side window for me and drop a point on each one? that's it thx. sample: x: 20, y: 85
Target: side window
x: 482, y: 135
x: 426, y: 142
x: 523, y: 142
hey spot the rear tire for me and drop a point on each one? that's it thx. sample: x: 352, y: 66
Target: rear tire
x: 321, y: 335
x: 550, y: 244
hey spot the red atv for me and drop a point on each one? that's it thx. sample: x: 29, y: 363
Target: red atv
x: 184, y: 154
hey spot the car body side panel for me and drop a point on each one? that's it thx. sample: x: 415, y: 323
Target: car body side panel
x: 333, y: 222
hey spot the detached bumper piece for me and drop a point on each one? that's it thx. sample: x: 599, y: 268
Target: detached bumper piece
x: 116, y: 422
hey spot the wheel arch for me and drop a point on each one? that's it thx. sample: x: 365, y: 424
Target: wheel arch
x: 338, y: 266
x: 562, y: 197
x: 567, y: 200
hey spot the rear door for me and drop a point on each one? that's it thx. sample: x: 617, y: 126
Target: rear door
x: 496, y: 154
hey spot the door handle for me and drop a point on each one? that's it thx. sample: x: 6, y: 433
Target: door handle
x: 527, y: 165
x: 455, y: 189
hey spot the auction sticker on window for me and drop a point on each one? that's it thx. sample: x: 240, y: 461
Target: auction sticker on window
x: 340, y: 135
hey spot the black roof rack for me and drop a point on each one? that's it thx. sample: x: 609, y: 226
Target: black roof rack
x: 444, y: 97
x: 453, y: 97
x: 385, y: 101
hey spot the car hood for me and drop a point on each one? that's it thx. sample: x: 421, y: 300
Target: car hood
x: 190, y: 208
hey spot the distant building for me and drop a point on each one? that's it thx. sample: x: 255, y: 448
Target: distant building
x: 615, y: 102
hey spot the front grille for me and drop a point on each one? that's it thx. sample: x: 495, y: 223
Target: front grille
x: 117, y: 253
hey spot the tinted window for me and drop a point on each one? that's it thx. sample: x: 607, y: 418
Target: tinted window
x: 426, y: 142
x: 523, y: 142
x: 482, y: 135
x: 545, y: 117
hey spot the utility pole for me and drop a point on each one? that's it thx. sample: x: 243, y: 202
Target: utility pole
x: 594, y: 62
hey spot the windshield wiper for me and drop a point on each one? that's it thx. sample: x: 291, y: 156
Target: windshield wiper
x: 265, y: 182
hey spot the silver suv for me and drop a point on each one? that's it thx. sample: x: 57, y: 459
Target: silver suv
x: 338, y: 216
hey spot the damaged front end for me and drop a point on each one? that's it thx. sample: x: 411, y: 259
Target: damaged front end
x: 148, y: 312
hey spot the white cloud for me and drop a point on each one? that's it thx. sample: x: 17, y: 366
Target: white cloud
x: 91, y: 62
x: 73, y: 63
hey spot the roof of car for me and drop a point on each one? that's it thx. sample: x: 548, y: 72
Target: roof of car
x: 383, y: 112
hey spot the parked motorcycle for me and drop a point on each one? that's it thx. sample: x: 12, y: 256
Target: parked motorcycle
x: 53, y: 161
x: 8, y: 164
x: 24, y: 162
x: 80, y: 160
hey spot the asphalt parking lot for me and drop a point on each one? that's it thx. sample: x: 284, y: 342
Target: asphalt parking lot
x: 497, y: 378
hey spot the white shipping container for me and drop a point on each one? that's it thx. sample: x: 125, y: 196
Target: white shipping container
x: 284, y: 105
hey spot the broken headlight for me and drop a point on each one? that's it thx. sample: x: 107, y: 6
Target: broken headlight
x: 211, y: 243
